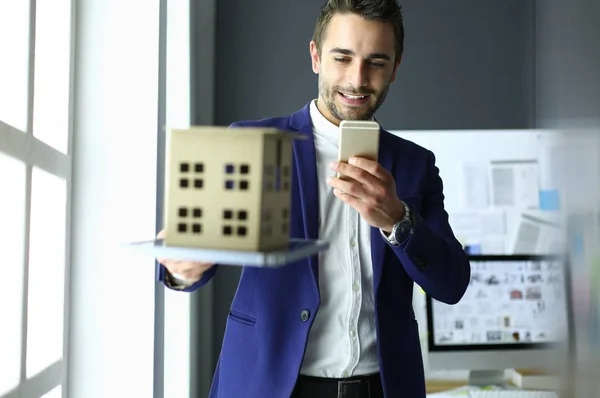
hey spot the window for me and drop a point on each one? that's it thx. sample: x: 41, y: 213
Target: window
x: 242, y: 169
x: 47, y: 241
x: 277, y: 176
x: 14, y: 46
x: 35, y: 161
x: 198, y: 181
x: 278, y: 166
x: 182, y: 226
x: 242, y: 218
x: 55, y: 393
x: 52, y: 73
x: 12, y: 214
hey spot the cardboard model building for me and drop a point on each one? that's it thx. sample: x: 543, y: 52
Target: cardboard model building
x: 228, y: 188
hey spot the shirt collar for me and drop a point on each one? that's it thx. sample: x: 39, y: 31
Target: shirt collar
x: 323, y: 127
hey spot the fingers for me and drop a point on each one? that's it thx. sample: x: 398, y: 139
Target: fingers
x: 355, y: 173
x: 360, y: 182
x: 372, y: 168
x: 187, y: 269
x: 351, y: 200
x: 349, y: 187
x: 184, y: 266
x: 191, y: 270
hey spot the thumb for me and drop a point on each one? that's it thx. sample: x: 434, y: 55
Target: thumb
x: 161, y: 234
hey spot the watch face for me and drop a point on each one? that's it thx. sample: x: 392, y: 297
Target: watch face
x: 403, y: 231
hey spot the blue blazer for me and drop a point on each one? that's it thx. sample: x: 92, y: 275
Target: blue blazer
x: 273, y: 309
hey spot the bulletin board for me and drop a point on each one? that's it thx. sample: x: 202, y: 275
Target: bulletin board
x: 498, y: 187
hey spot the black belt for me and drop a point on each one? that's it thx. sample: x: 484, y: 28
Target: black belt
x: 353, y: 387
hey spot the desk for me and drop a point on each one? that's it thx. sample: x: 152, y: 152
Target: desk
x: 445, y: 380
x: 433, y: 385
x: 440, y: 381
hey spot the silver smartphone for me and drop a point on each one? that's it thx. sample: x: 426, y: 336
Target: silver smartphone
x: 358, y: 138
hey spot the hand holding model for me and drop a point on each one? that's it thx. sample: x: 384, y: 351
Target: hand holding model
x: 187, y: 271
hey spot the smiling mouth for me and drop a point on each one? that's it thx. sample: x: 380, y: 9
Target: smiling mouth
x: 354, y: 97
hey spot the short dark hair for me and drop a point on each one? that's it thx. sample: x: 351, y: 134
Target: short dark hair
x: 372, y: 10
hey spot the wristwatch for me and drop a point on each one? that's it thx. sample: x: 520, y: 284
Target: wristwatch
x: 178, y: 281
x: 403, y: 229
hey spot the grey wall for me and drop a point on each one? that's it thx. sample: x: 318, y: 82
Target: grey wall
x: 568, y: 63
x: 467, y: 64
x: 568, y: 96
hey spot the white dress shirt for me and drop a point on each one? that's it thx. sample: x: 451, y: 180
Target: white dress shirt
x: 342, y: 341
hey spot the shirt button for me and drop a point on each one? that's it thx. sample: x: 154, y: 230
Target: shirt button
x: 352, y: 243
x: 345, y: 374
x: 304, y: 315
x: 355, y: 287
x: 352, y: 332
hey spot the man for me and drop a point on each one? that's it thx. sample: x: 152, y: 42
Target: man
x: 342, y: 324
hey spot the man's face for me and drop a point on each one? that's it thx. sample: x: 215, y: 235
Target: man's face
x: 356, y: 67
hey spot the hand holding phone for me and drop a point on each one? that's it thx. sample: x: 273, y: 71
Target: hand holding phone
x: 358, y: 138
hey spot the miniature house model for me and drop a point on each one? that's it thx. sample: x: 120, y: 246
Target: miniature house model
x: 228, y: 188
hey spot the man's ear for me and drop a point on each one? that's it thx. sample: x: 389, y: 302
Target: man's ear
x: 314, y: 57
x: 396, y: 69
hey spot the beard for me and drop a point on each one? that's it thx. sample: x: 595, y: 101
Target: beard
x: 330, y: 95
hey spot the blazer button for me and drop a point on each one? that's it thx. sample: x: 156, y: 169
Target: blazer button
x: 304, y: 315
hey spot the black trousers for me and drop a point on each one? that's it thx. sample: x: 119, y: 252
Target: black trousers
x: 353, y: 387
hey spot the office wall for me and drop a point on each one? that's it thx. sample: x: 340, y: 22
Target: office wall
x: 567, y: 63
x: 568, y: 97
x: 467, y: 65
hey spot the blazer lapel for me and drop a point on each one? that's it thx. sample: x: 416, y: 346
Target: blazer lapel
x: 306, y: 167
x: 378, y: 245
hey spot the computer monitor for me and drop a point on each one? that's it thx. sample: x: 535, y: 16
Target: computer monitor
x: 514, y: 314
